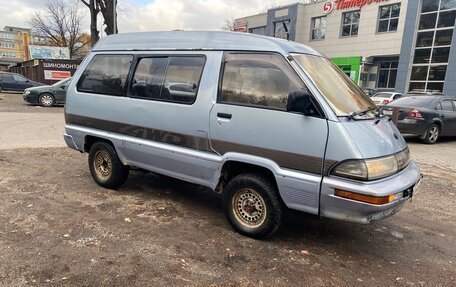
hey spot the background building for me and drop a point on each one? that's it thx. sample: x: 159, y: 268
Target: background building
x: 14, y: 43
x: 381, y: 44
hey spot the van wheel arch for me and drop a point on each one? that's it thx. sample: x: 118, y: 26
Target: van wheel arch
x: 90, y: 140
x: 231, y: 169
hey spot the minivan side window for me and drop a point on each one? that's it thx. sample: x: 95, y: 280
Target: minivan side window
x: 105, y: 74
x: 169, y: 78
x: 259, y: 80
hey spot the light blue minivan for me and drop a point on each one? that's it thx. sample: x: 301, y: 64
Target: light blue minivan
x: 268, y: 123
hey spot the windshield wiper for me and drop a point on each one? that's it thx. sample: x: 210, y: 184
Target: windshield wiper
x: 362, y: 112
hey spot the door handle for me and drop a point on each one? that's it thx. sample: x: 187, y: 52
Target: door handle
x: 224, y: 116
x: 442, y: 115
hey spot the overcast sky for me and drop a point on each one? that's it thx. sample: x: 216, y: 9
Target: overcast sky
x: 151, y: 15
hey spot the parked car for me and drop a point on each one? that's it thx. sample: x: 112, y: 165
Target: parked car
x: 370, y: 92
x: 428, y: 117
x: 270, y: 124
x: 15, y: 82
x: 47, y: 96
x: 384, y: 98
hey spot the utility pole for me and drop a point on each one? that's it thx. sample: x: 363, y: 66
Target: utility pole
x: 114, y: 18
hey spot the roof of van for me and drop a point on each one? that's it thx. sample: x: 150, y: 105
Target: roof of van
x: 192, y: 40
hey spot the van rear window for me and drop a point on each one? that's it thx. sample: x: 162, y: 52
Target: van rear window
x: 168, y: 78
x: 106, y: 74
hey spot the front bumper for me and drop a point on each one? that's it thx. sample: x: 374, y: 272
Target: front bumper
x: 335, y: 207
x: 32, y: 99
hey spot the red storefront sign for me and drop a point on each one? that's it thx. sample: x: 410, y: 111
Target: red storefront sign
x: 56, y: 75
x: 328, y: 6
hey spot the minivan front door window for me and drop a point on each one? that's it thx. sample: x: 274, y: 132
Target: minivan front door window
x: 342, y: 94
x: 264, y: 81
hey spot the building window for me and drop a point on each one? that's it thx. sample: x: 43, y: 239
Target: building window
x: 6, y: 45
x: 389, y: 18
x: 350, y: 23
x: 7, y: 36
x: 282, y: 29
x: 7, y: 54
x: 258, y: 31
x: 433, y: 44
x: 318, y: 28
x: 387, y: 75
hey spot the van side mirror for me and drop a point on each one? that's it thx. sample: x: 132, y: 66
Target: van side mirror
x: 299, y: 102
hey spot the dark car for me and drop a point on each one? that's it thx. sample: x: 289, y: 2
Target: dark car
x: 15, y: 82
x: 429, y: 117
x: 47, y: 96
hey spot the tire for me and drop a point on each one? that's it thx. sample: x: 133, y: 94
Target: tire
x: 105, y: 166
x: 46, y: 100
x: 260, y: 219
x: 432, y: 134
x: 1, y: 88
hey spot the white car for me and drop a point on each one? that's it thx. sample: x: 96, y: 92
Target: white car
x: 384, y: 98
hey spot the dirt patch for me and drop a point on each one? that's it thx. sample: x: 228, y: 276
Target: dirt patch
x: 61, y: 229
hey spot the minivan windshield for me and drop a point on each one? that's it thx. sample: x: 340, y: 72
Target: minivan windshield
x: 344, y: 96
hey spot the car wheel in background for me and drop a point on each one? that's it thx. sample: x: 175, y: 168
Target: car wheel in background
x: 1, y: 88
x: 252, y: 205
x: 105, y: 166
x: 46, y: 100
x: 432, y: 134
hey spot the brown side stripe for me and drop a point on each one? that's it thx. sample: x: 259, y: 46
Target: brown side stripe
x: 283, y: 159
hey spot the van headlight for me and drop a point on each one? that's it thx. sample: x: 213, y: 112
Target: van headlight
x: 372, y: 169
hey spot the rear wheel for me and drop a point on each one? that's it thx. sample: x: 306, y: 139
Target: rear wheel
x: 105, y: 166
x: 252, y: 205
x: 432, y: 134
x: 46, y: 100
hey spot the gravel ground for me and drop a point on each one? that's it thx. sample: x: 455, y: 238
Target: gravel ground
x: 61, y: 229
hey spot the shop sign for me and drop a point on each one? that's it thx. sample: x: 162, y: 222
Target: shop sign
x: 240, y: 26
x: 329, y: 5
x: 56, y: 75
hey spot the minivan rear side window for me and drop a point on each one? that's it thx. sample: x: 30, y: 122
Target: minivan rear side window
x: 168, y: 78
x: 106, y: 74
x: 258, y: 79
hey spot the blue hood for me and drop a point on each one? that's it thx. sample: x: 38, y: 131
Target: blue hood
x: 375, y: 140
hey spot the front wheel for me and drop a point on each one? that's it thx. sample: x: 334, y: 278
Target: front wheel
x: 105, y: 166
x: 252, y: 205
x: 432, y: 134
x: 46, y: 100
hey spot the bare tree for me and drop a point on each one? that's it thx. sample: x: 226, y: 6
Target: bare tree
x: 94, y: 10
x: 60, y: 24
x: 108, y: 9
x: 228, y: 25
